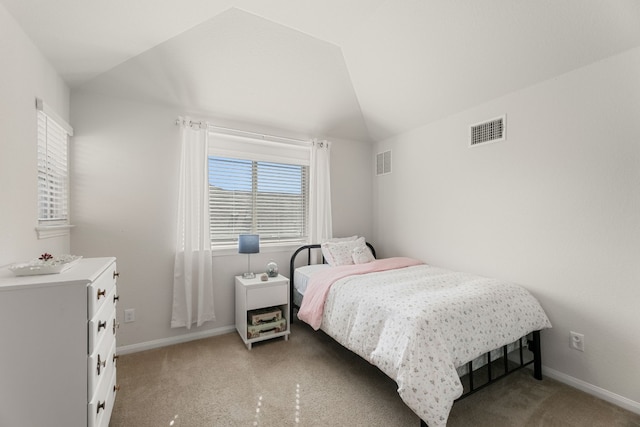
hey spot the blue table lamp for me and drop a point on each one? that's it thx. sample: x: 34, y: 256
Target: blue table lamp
x: 248, y: 244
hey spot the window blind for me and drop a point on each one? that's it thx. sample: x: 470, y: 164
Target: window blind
x: 53, y: 174
x: 257, y: 197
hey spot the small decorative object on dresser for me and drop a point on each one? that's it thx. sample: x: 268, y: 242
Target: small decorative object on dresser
x: 262, y: 309
x: 58, y: 361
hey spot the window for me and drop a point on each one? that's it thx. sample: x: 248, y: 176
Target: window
x: 53, y: 173
x: 254, y: 193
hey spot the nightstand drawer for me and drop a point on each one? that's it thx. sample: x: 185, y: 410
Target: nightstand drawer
x: 268, y: 296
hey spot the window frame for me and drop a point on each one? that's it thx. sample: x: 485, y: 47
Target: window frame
x: 268, y: 151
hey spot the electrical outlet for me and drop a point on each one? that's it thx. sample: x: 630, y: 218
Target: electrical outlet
x: 129, y: 315
x: 577, y: 341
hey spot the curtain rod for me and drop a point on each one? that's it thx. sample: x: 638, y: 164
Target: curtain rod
x: 231, y: 130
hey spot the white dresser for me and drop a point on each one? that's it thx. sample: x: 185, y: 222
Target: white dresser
x: 57, y: 346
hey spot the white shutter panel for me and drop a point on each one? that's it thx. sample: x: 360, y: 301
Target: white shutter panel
x: 53, y: 173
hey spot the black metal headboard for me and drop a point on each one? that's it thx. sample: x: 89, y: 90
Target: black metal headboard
x: 292, y: 266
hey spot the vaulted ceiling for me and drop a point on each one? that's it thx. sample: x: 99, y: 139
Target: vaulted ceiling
x: 353, y: 69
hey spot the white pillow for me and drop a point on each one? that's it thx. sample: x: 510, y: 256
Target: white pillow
x: 325, y: 251
x: 339, y: 253
x: 362, y: 255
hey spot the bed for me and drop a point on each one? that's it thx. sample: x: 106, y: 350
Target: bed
x: 441, y: 335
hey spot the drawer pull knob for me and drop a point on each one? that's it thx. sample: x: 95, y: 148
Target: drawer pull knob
x: 115, y: 358
x: 116, y: 298
x: 100, y: 406
x: 116, y: 325
x: 116, y: 274
x: 102, y: 293
x: 102, y: 325
x: 116, y: 388
x: 101, y: 364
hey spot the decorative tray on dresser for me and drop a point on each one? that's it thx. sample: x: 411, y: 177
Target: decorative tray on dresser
x: 58, y: 343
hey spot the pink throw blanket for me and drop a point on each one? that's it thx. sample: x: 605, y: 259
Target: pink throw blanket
x: 312, y: 305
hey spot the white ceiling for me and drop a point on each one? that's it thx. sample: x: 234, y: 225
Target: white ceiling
x: 356, y: 69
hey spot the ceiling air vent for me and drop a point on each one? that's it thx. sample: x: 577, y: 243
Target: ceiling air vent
x: 383, y: 163
x: 493, y: 130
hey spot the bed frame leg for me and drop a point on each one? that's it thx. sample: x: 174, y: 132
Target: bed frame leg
x: 537, y: 356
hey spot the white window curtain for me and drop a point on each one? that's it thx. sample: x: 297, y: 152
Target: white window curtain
x: 320, y: 226
x: 193, y: 276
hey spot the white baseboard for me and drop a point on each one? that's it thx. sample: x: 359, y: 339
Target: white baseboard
x: 601, y: 393
x: 163, y: 342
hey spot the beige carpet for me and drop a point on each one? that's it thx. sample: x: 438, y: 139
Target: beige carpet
x: 312, y: 381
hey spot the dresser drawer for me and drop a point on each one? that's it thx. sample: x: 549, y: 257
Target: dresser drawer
x: 101, y: 363
x: 259, y: 297
x: 102, y: 324
x: 99, y: 290
x: 100, y: 407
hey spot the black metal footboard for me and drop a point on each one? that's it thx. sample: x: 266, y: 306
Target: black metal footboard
x: 508, y: 367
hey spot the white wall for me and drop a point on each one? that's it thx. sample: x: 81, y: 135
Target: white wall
x: 126, y: 160
x: 554, y: 208
x: 24, y: 75
x: 351, y: 188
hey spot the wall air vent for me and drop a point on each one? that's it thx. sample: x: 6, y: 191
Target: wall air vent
x: 493, y: 130
x: 383, y: 163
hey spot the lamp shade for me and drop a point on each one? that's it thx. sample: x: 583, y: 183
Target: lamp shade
x: 248, y: 243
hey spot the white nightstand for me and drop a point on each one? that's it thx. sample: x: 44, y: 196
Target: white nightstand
x: 252, y: 294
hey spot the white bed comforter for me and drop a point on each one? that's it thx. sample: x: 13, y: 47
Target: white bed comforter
x: 417, y: 324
